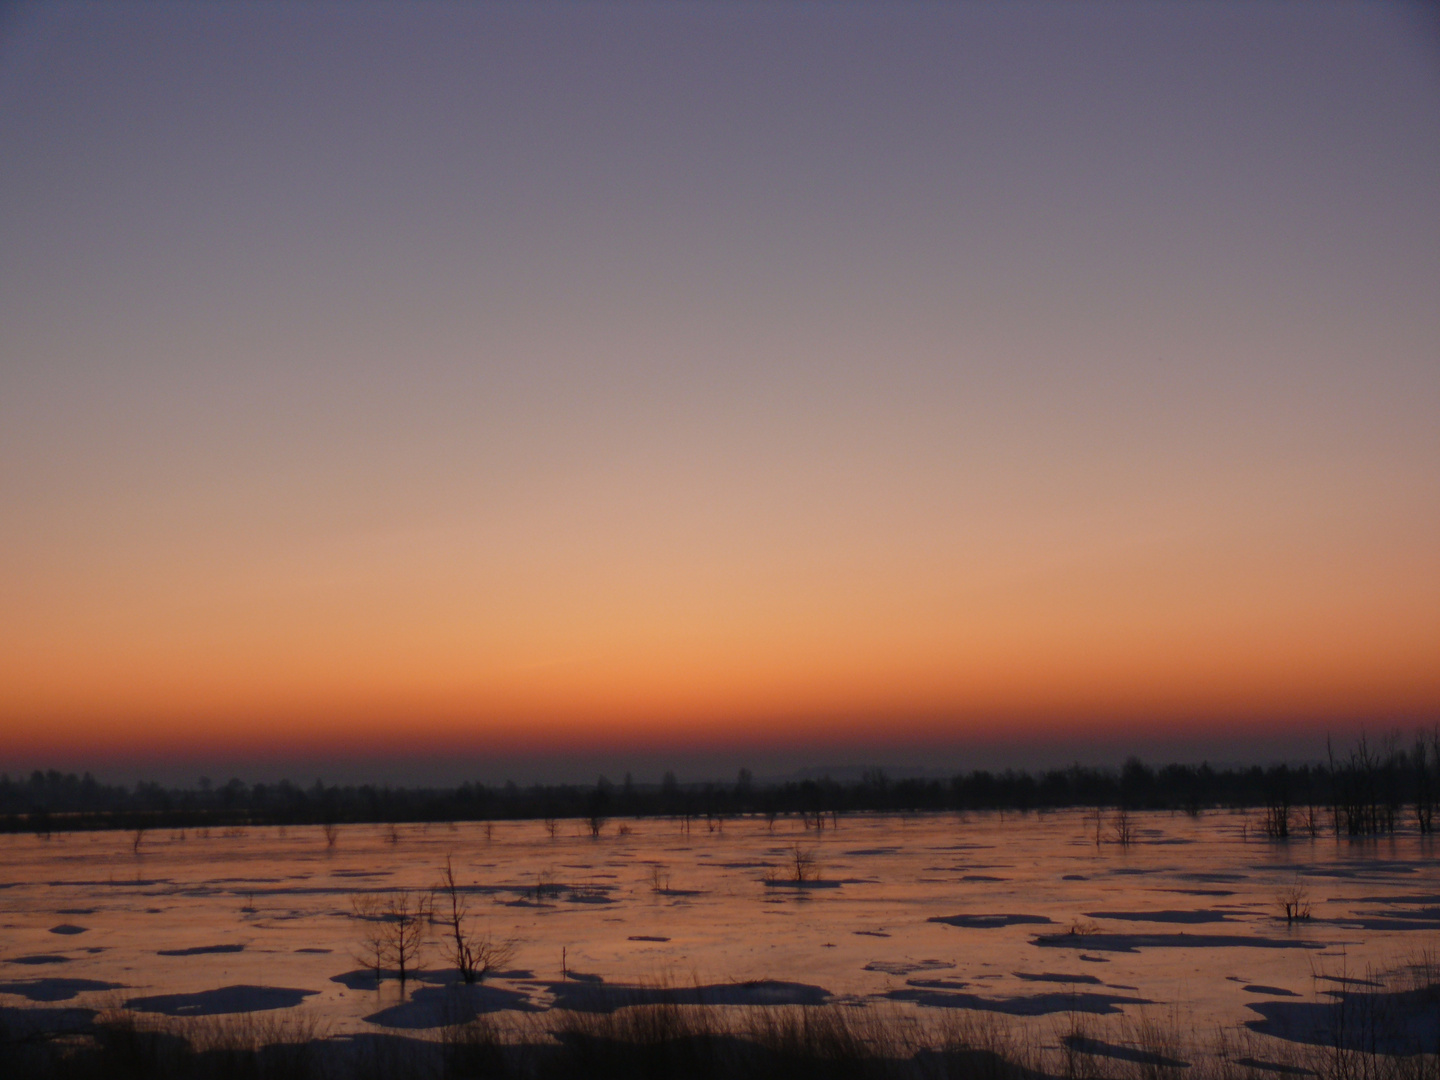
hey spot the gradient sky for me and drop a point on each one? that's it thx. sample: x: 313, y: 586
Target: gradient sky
x: 715, y: 383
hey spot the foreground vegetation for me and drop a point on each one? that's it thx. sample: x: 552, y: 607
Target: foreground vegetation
x: 689, y: 1041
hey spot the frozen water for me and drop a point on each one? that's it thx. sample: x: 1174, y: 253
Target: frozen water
x: 989, y: 912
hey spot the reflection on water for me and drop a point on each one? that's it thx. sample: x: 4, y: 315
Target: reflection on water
x: 1021, y: 915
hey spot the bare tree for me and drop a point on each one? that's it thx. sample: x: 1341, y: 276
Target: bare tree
x: 332, y: 835
x: 1294, y: 901
x: 371, y: 950
x: 598, y: 808
x: 406, y: 919
x: 1277, y: 818
x: 136, y: 840
x: 802, y: 864
x: 1424, y: 785
x: 1334, y: 774
x: 395, y: 929
x: 552, y: 827
x: 475, y: 955
x: 1122, y: 829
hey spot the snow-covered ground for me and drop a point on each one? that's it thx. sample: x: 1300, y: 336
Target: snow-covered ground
x: 1023, y: 915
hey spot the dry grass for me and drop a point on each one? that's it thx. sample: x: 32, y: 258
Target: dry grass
x: 664, y: 1040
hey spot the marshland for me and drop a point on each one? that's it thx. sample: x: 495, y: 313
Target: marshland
x: 1103, y: 942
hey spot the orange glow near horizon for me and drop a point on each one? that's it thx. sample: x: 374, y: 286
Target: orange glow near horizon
x: 1107, y: 648
x: 559, y: 380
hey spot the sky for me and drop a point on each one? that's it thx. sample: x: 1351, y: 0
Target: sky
x: 437, y: 391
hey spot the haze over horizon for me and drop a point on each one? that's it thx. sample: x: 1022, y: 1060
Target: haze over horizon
x: 422, y: 390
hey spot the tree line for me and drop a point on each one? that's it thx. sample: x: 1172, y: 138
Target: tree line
x: 1363, y: 789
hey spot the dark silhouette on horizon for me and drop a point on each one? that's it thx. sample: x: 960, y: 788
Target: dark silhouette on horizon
x: 1362, y: 791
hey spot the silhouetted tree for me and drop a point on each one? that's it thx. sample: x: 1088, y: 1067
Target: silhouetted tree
x: 475, y: 955
x: 406, y: 919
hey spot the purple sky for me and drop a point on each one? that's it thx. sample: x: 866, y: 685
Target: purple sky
x: 509, y: 365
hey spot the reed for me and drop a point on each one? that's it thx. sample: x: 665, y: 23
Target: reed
x: 1369, y: 1035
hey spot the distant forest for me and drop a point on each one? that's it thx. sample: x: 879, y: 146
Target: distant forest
x: 1358, y: 791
